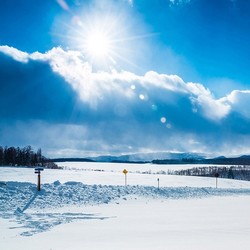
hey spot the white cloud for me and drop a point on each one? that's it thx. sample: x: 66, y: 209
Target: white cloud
x: 168, y: 82
x: 211, y: 109
x: 240, y: 102
x: 201, y: 97
x: 16, y: 54
x: 198, y: 89
x: 120, y: 111
x: 96, y: 88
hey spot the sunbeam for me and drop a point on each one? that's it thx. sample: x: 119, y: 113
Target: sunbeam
x: 106, y: 39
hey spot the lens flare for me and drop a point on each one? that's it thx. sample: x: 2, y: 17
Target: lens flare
x: 142, y: 97
x: 169, y: 125
x: 154, y: 107
x: 163, y: 119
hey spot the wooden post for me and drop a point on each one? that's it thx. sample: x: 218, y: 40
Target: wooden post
x: 39, y: 182
x: 216, y: 179
x: 38, y: 172
x: 158, y: 183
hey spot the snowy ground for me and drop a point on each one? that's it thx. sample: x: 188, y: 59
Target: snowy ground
x: 87, y: 206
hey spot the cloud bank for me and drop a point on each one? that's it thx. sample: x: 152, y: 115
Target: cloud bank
x: 57, y: 101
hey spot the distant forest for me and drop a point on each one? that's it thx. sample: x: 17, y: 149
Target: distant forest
x: 233, y: 172
x: 11, y: 156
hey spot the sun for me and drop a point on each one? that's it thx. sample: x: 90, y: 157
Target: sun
x: 98, y: 44
x: 106, y: 39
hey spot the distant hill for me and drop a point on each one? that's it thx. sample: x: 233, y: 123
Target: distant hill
x: 135, y: 158
x: 245, y: 156
x: 147, y: 157
x: 163, y: 158
x: 72, y: 159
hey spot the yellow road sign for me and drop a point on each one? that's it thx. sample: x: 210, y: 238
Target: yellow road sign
x: 125, y: 171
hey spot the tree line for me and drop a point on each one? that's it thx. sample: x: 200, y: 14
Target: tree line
x: 232, y: 172
x: 26, y: 156
x: 242, y: 160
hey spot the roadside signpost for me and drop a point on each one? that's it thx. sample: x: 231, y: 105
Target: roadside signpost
x: 125, y: 171
x: 38, y: 172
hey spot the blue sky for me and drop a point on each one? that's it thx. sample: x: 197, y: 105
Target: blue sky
x: 81, y: 78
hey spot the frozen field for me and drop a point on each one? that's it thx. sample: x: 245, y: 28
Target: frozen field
x: 87, y: 206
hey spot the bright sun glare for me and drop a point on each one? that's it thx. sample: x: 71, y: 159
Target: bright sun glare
x: 104, y: 39
x: 97, y: 44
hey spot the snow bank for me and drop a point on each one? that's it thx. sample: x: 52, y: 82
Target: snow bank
x: 17, y: 197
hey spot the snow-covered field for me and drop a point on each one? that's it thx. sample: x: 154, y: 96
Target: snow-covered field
x: 87, y: 206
